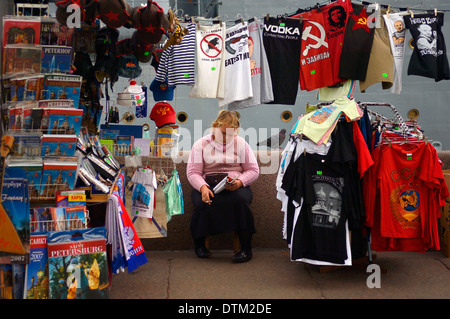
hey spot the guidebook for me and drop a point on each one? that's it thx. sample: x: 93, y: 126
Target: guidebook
x: 56, y: 59
x: 78, y: 264
x: 36, y: 273
x: 223, y: 184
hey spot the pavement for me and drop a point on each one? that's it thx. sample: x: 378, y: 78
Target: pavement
x: 271, y: 276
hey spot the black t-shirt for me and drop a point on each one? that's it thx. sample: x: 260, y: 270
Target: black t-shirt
x: 429, y: 57
x: 357, y: 45
x: 282, y: 40
x: 320, y: 232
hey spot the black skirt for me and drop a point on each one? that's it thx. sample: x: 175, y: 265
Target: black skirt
x: 229, y: 211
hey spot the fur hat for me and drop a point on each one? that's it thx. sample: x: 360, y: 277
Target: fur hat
x: 114, y: 13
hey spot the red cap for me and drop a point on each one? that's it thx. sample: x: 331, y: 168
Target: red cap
x: 163, y: 114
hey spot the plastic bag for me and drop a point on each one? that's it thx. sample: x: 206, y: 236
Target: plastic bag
x: 174, y: 196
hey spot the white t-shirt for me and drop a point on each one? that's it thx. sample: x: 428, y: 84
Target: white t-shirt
x: 210, y: 70
x: 259, y: 70
x: 143, y: 196
x: 397, y: 35
x: 238, y: 83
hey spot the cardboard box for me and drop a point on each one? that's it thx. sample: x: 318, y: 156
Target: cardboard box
x: 444, y: 229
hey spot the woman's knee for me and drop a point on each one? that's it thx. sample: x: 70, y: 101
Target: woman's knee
x: 243, y: 195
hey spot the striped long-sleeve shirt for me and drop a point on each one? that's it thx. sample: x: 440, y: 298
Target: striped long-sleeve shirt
x: 177, y: 63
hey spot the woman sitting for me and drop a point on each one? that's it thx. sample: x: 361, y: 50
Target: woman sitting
x: 217, y: 155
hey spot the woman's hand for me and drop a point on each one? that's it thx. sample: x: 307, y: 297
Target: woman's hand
x: 207, y: 194
x: 235, y: 185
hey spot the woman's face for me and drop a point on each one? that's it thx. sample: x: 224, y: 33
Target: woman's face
x: 224, y: 134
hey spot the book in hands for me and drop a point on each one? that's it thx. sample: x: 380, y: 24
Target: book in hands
x: 223, y: 184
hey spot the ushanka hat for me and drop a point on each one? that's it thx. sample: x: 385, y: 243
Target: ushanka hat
x: 141, y: 46
x: 114, y: 13
x: 153, y: 22
x: 161, y: 91
x: 163, y: 114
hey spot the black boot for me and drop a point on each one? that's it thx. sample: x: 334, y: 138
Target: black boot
x: 245, y: 254
x: 200, y: 248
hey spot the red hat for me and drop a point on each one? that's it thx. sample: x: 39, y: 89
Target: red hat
x: 163, y: 114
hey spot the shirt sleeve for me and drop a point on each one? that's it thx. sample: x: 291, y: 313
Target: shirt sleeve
x: 250, y: 167
x: 194, y: 169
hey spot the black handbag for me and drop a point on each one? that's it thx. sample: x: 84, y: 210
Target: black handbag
x: 213, y: 179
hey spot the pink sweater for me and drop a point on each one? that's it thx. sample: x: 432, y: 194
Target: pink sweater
x: 236, y: 158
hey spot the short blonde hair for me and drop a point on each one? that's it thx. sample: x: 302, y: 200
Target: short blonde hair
x: 229, y: 118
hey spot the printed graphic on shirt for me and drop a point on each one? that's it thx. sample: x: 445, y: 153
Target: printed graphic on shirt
x: 426, y: 41
x: 398, y: 36
x: 326, y: 212
x: 211, y: 45
x: 361, y: 20
x: 322, y: 114
x: 404, y: 200
x: 336, y: 21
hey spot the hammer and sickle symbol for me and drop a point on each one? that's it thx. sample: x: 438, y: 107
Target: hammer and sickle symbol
x: 319, y: 41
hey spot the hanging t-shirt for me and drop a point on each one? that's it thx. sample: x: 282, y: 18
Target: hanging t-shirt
x: 282, y: 40
x: 335, y: 16
x: 357, y: 45
x: 210, y: 72
x: 143, y: 196
x: 336, y: 91
x: 397, y: 32
x: 320, y: 231
x: 403, y: 192
x: 238, y: 83
x: 381, y: 62
x: 259, y: 70
x: 429, y: 57
x: 177, y: 63
x: 315, y: 63
x: 315, y: 125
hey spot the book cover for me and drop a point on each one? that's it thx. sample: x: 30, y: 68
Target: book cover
x: 26, y: 144
x: 58, y: 218
x: 57, y: 175
x: 16, y: 204
x: 18, y: 280
x: 34, y: 86
x: 75, y: 217
x: 17, y: 88
x: 30, y: 115
x: 33, y: 171
x: 56, y: 59
x: 71, y: 198
x: 60, y: 103
x: 15, y: 118
x: 58, y: 145
x: 41, y: 220
x: 21, y: 30
x: 62, y: 86
x: 78, y: 264
x: 21, y: 58
x: 36, y: 272
x: 54, y: 33
x: 6, y: 275
x: 64, y: 121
